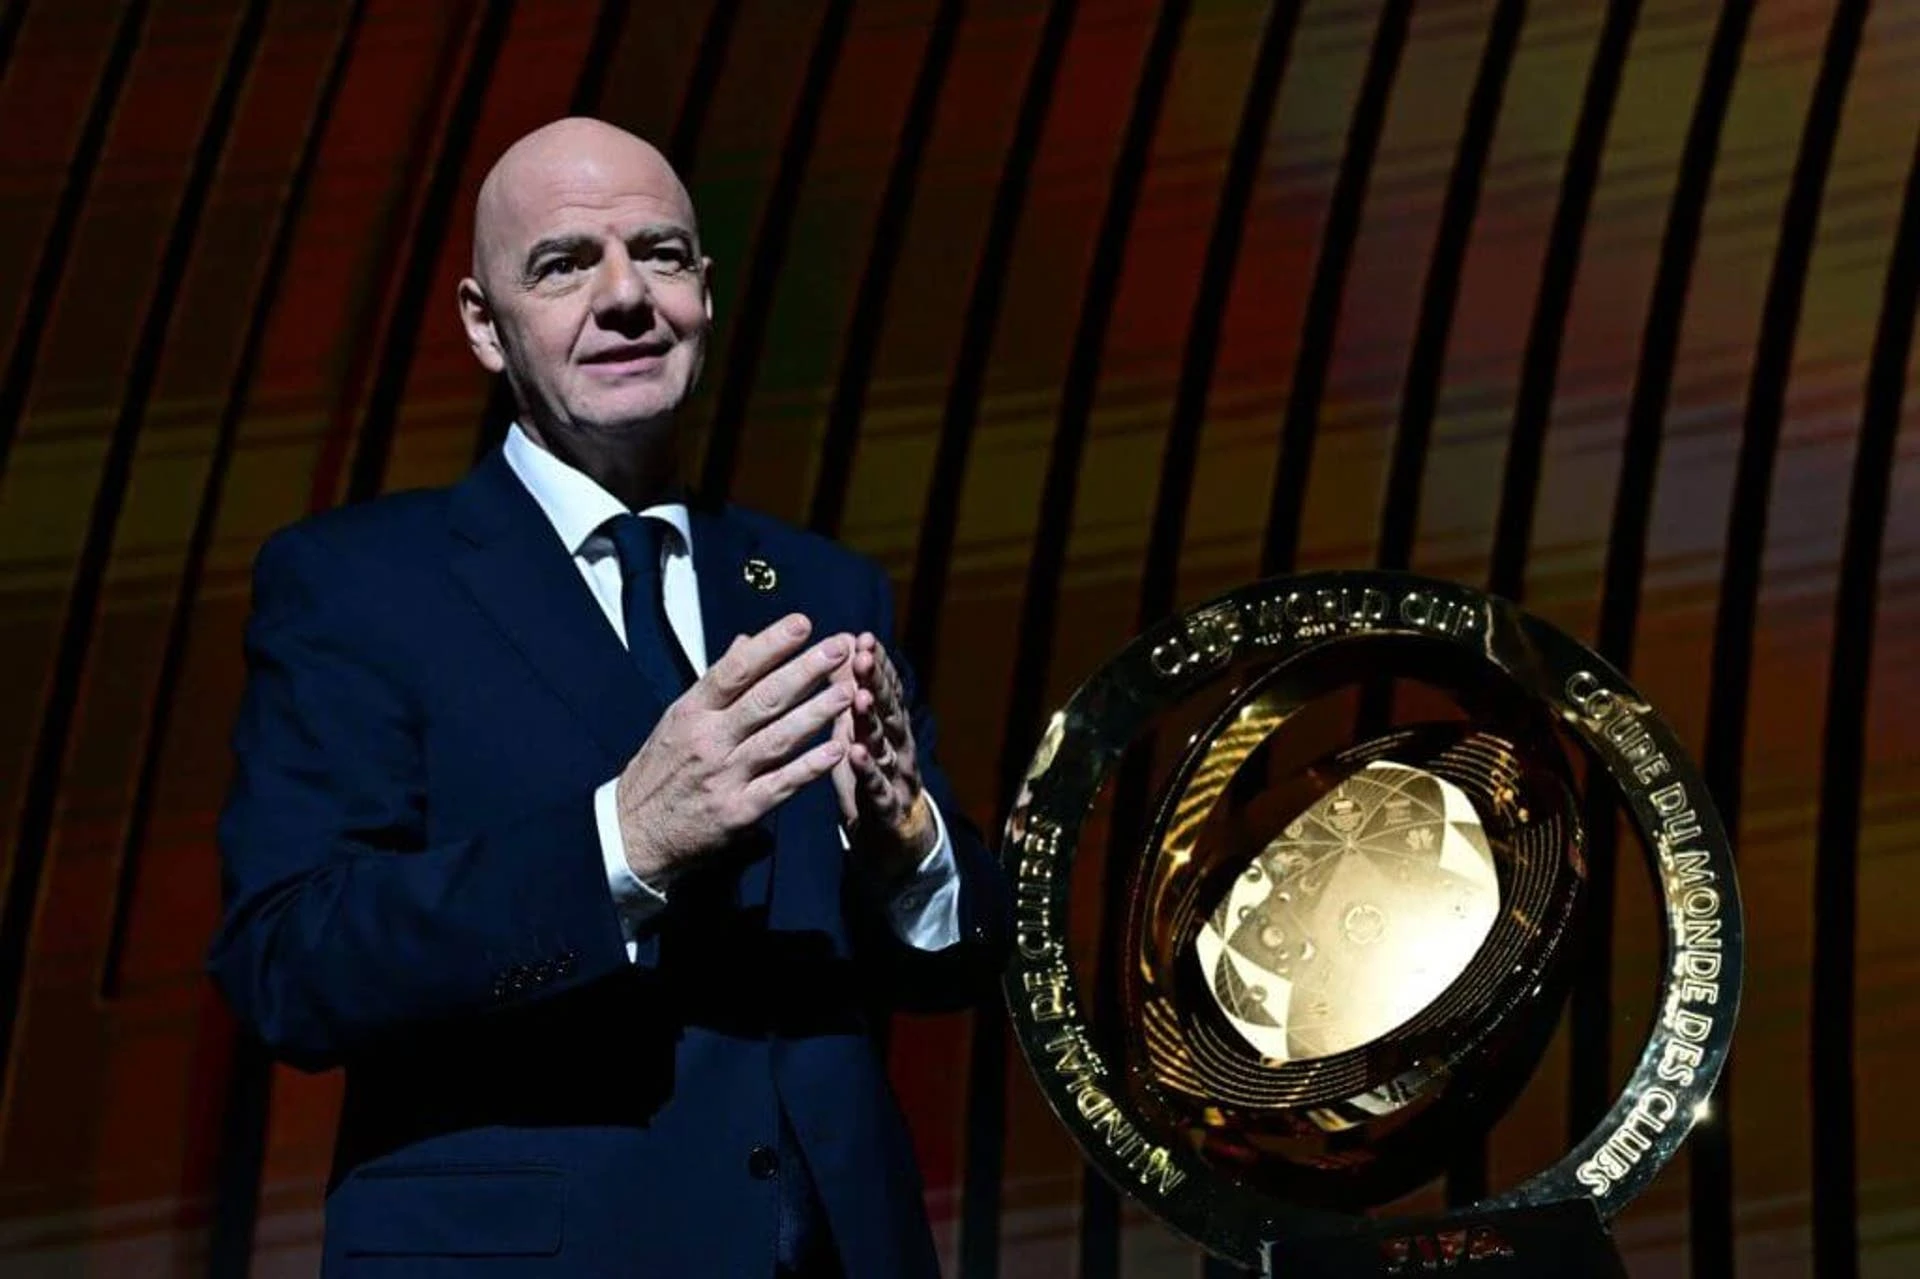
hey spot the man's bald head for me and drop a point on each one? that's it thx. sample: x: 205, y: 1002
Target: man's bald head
x: 588, y: 290
x: 575, y: 154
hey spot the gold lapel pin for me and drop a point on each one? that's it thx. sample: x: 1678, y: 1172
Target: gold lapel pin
x: 760, y: 575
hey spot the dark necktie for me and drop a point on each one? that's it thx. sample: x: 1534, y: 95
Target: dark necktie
x: 802, y: 1242
x: 643, y: 605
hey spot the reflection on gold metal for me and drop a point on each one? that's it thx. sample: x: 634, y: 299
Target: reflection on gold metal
x: 1342, y: 949
x: 1364, y: 909
x: 1318, y: 945
x: 1221, y: 757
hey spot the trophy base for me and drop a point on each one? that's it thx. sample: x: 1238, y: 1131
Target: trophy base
x: 1566, y: 1240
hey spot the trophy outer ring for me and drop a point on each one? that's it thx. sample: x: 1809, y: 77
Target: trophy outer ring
x: 1281, y: 618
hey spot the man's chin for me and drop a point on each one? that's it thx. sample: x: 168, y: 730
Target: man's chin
x: 629, y: 420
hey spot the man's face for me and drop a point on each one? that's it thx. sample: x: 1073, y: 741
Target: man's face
x: 590, y: 293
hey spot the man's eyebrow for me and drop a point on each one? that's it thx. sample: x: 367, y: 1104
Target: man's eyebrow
x: 650, y: 233
x: 655, y: 232
x: 556, y: 244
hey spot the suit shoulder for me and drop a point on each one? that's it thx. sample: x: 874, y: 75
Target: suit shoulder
x: 385, y: 527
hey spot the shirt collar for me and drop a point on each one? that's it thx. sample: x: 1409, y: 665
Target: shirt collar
x: 573, y: 502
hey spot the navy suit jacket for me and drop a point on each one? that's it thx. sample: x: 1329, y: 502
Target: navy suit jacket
x: 414, y: 890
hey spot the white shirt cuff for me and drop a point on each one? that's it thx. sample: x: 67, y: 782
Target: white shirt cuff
x: 923, y: 909
x: 635, y: 901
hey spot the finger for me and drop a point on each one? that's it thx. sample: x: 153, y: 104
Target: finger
x: 769, y: 790
x: 844, y: 797
x: 845, y: 788
x: 870, y: 779
x: 775, y: 743
x: 750, y: 658
x: 890, y: 695
x: 787, y: 686
x: 870, y: 732
x: 896, y: 687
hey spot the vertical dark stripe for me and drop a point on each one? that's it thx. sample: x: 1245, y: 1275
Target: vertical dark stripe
x: 984, y: 1134
x: 1181, y: 456
x: 1320, y: 328
x: 52, y: 265
x: 1590, y: 1083
x: 206, y: 518
x: 684, y: 142
x: 933, y: 558
x: 849, y: 400
x: 755, y: 311
x: 390, y: 241
x: 1540, y: 367
x: 608, y: 27
x: 83, y: 601
x: 10, y: 22
x: 248, y: 1103
x: 1324, y: 298
x: 375, y: 438
x: 1710, y: 1151
x: 1836, y: 886
x: 243, y: 1151
x: 1178, y: 463
x: 245, y: 1119
x: 1099, y: 1234
x: 876, y: 282
x: 1419, y: 397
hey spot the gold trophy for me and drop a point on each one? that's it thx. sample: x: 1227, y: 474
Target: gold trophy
x: 1344, y: 950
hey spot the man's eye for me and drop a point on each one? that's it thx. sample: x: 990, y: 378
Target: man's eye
x: 553, y: 267
x: 667, y: 258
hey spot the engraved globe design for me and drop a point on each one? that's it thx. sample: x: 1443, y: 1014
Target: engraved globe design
x: 1359, y: 915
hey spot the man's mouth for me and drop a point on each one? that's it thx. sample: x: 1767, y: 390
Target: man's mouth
x: 629, y: 358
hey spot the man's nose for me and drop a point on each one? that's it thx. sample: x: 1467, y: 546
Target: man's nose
x: 620, y: 286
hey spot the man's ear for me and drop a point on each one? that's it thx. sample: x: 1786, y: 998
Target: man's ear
x: 476, y: 317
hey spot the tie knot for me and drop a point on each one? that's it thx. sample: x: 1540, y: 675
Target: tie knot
x: 636, y: 541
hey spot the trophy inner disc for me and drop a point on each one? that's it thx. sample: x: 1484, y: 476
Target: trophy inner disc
x: 1366, y: 907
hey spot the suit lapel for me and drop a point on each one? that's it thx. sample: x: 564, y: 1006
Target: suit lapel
x: 512, y: 563
x: 508, y: 558
x: 730, y: 606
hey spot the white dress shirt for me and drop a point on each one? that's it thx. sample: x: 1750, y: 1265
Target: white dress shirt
x: 923, y: 911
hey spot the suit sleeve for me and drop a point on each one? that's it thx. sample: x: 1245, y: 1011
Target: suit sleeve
x: 964, y: 974
x: 342, y: 926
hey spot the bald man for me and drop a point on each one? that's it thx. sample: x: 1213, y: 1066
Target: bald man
x: 590, y: 827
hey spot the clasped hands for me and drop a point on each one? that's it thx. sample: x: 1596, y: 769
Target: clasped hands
x: 737, y: 744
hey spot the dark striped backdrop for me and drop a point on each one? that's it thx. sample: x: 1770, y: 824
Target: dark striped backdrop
x: 1071, y: 313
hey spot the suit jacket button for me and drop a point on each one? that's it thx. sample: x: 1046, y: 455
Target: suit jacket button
x: 762, y: 1163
